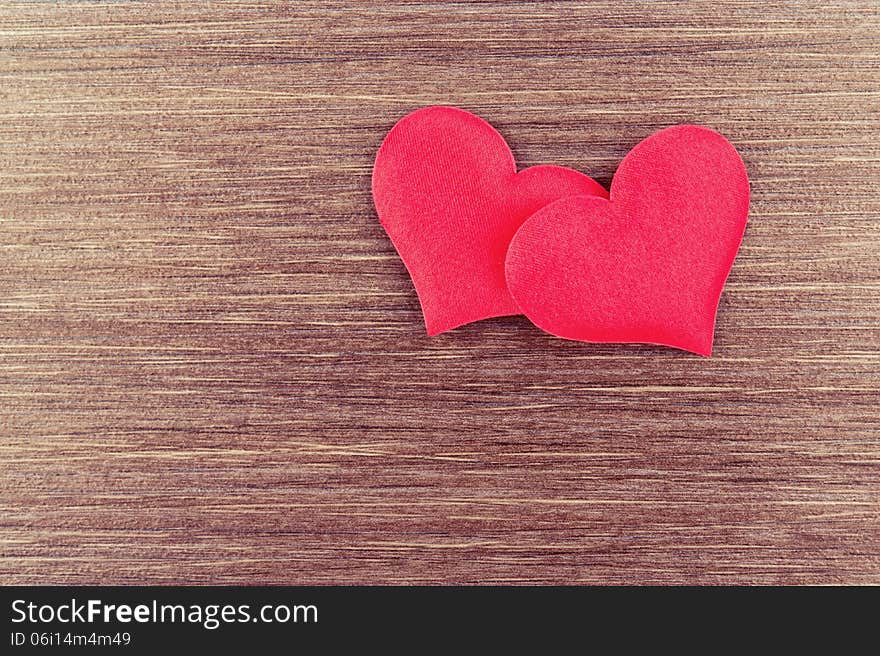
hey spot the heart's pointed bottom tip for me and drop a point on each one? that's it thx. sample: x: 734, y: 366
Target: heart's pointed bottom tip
x: 705, y: 351
x: 437, y: 328
x: 433, y: 330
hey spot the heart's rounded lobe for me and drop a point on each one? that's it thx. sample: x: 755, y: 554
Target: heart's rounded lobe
x: 447, y: 193
x: 647, y: 265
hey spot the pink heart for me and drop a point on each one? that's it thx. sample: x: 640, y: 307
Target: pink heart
x: 649, y: 263
x: 447, y: 193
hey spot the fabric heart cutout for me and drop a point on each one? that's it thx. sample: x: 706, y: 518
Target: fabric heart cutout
x: 647, y: 264
x: 448, y: 194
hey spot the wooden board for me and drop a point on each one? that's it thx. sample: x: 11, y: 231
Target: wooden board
x: 213, y: 367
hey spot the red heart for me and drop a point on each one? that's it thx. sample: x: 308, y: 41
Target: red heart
x: 448, y: 194
x: 648, y: 264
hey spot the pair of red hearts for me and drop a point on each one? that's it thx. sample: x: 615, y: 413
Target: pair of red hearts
x: 645, y: 263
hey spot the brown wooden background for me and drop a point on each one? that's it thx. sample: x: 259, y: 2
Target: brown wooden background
x: 213, y: 367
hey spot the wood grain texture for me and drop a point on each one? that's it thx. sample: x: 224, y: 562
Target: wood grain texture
x: 213, y: 367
